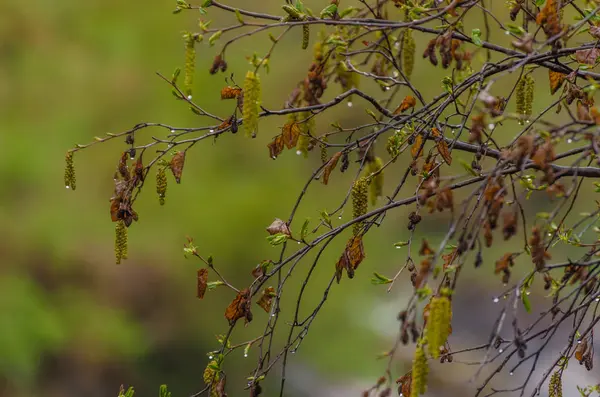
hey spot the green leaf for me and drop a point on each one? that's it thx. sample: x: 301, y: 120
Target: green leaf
x: 304, y: 230
x: 328, y: 12
x: 163, y: 392
x: 400, y: 244
x: 277, y: 239
x: 468, y: 168
x: 176, y: 74
x: 214, y: 284
x: 379, y: 279
x: 326, y: 218
x: 476, y: 37
x: 215, y: 37
x: 539, y: 3
x: 207, y: 3
x: 424, y: 292
x: 514, y: 29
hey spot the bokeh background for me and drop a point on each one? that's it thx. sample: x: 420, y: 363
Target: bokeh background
x: 72, y: 323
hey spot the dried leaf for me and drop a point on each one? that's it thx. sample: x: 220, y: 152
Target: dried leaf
x: 266, y: 299
x: 115, y: 204
x: 352, y: 257
x: 330, y: 166
x: 425, y: 249
x: 587, y: 57
x: 279, y: 226
x: 240, y: 307
x: 556, y: 80
x: 202, y: 280
x: 408, y: 102
x: 404, y: 385
x: 230, y: 92
x: 176, y: 165
x: 123, y: 170
x: 291, y: 132
x: 276, y: 147
x: 416, y: 150
x: 581, y: 350
x: 443, y: 150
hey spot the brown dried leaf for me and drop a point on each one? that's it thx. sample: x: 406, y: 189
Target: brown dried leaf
x: 416, y: 150
x: 443, y: 150
x: 408, y: 102
x: 291, y: 132
x: 425, y: 249
x: 404, y: 384
x: 276, y: 147
x: 230, y: 92
x: 176, y: 165
x: 115, y: 205
x: 266, y: 299
x: 556, y: 80
x: 581, y: 350
x: 352, y: 257
x: 330, y: 166
x: 123, y: 170
x: 279, y: 226
x: 587, y: 57
x: 202, y: 280
x: 239, y: 307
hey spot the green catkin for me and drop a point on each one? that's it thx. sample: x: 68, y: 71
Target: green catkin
x: 420, y: 372
x: 438, y: 322
x: 524, y: 94
x: 376, y: 185
x: 70, y: 171
x: 305, y: 36
x: 359, y: 202
x: 120, y: 241
x: 252, y: 101
x: 408, y: 53
x: 190, y: 62
x: 323, y: 147
x: 161, y: 184
x: 555, y: 386
x: 211, y: 376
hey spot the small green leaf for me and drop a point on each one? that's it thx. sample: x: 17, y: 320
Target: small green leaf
x: 207, y: 3
x: 214, y: 284
x: 277, y: 239
x: 401, y: 244
x: 539, y: 3
x: 514, y: 29
x: 215, y: 37
x: 476, y: 37
x: 176, y: 74
x: 525, y: 300
x: 238, y: 16
x: 304, y: 230
x: 329, y: 11
x: 163, y: 392
x: 380, y: 279
x: 326, y: 218
x: 468, y: 168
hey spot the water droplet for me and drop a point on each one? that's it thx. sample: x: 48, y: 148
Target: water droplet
x: 172, y: 131
x: 189, y: 97
x: 395, y: 74
x: 211, y: 131
x: 245, y: 354
x: 569, y: 140
x: 274, y: 157
x: 453, y: 132
x: 579, y: 341
x: 210, y: 357
x: 349, y: 104
x: 132, y: 158
x: 511, y: 373
x: 387, y: 88
x: 496, y: 300
x: 527, y: 121
x: 527, y: 293
x: 505, y: 284
x: 273, y: 315
x: 507, y: 32
x: 500, y: 351
x: 340, y: 217
x: 68, y: 187
x: 491, y: 126
x: 598, y: 299
x: 298, y: 242
x: 298, y: 152
x: 293, y: 351
x: 549, y: 234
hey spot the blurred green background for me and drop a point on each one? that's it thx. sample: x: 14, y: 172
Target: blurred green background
x: 72, y: 323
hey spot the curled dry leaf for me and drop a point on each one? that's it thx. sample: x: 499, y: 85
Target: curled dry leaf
x: 587, y: 57
x: 556, y: 80
x: 425, y: 249
x: 202, y: 281
x: 352, y: 257
x: 291, y: 133
x: 240, y: 307
x: 279, y: 226
x: 266, y: 299
x: 176, y: 165
x: 408, y: 102
x: 444, y: 151
x: 276, y: 147
x: 330, y: 166
x: 416, y: 151
x: 404, y: 384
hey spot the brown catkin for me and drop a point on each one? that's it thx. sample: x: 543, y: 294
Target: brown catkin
x: 408, y: 53
x: 420, y: 372
x: 359, y: 202
x: 161, y: 184
x: 376, y: 185
x: 438, y: 322
x: 120, y: 241
x: 190, y: 62
x: 252, y: 101
x: 305, y: 36
x: 70, y: 171
x: 555, y: 386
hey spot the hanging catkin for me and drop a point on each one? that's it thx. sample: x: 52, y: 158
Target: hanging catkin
x: 69, y: 171
x: 190, y: 62
x: 161, y: 184
x: 555, y: 386
x: 408, y: 53
x: 438, y: 322
x: 376, y: 186
x: 251, y: 108
x: 120, y: 241
x: 305, y: 36
x: 359, y: 202
x: 524, y: 93
x: 420, y: 372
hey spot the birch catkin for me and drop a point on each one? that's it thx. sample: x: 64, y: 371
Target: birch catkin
x: 252, y: 100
